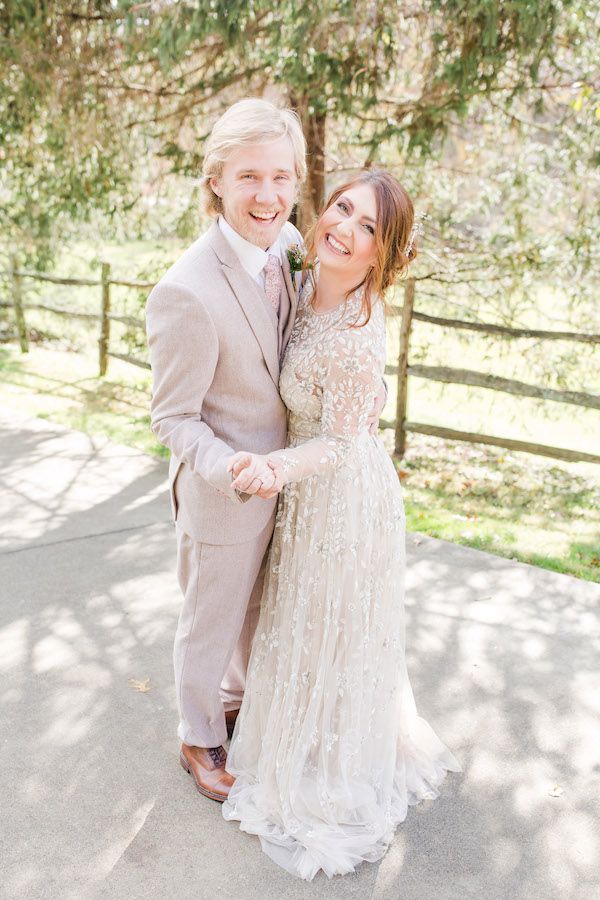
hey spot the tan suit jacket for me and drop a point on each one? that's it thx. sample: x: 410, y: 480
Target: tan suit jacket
x: 215, y: 351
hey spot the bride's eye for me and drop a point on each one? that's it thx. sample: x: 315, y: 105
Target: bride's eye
x: 342, y: 206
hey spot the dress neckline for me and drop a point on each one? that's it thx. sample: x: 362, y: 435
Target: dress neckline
x: 327, y: 312
x: 341, y: 307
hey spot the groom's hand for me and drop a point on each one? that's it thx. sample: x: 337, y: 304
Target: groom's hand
x: 375, y: 414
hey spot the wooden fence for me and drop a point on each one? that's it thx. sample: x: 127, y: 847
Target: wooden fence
x: 403, y: 370
x: 104, y: 316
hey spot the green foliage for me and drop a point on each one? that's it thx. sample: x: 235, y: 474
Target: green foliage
x: 102, y: 104
x: 62, y: 151
x: 89, y: 86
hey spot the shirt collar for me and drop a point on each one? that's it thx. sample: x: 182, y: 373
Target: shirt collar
x: 252, y: 258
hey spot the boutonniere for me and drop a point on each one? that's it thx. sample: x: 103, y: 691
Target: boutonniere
x: 296, y: 257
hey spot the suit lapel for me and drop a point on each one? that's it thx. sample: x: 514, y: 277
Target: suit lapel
x: 247, y: 294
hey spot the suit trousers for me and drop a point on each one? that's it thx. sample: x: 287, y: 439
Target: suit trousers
x: 222, y: 589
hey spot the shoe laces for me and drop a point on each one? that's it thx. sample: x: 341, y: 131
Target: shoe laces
x: 218, y: 755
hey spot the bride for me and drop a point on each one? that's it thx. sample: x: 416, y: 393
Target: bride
x: 328, y: 750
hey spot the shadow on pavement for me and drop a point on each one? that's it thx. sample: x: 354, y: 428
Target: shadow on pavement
x: 503, y: 660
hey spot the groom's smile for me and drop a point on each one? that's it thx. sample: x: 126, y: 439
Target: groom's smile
x: 257, y: 186
x: 265, y: 218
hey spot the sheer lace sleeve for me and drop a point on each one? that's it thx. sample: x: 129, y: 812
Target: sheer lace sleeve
x: 351, y: 383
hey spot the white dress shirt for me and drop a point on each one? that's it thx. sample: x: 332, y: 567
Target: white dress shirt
x: 252, y: 258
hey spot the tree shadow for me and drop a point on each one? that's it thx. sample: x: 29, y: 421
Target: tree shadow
x: 504, y: 661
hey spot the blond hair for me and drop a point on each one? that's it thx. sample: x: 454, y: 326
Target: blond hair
x: 250, y: 121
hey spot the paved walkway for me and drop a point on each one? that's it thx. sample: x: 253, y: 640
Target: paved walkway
x: 504, y: 661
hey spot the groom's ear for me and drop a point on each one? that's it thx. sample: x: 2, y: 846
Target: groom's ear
x: 214, y: 183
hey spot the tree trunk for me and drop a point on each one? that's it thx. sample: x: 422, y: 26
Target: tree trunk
x: 312, y: 193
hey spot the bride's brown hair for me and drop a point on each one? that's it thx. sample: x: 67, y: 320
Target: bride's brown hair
x: 395, y: 219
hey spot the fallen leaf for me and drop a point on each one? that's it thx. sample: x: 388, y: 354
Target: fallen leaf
x: 142, y: 686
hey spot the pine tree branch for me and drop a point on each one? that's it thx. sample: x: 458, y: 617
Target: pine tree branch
x: 184, y: 108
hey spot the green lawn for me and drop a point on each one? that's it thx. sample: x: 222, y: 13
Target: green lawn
x: 64, y: 387
x: 529, y: 508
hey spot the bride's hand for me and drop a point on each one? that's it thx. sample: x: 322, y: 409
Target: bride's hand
x: 252, y: 474
x: 268, y: 492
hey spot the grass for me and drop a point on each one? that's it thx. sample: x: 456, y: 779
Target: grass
x: 538, y: 511
x: 62, y: 387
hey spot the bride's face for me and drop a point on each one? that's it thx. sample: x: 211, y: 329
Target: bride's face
x: 345, y: 238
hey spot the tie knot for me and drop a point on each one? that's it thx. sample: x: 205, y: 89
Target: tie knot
x: 273, y: 263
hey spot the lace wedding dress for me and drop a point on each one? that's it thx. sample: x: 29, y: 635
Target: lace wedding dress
x: 328, y: 750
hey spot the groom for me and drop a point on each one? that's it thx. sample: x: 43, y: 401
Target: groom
x: 218, y: 323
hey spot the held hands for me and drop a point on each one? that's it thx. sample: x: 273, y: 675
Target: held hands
x: 255, y: 474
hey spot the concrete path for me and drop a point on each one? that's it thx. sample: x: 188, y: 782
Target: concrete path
x: 504, y: 662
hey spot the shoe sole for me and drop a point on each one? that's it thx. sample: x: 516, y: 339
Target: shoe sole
x: 220, y: 798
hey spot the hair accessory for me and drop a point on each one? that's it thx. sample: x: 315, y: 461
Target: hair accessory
x: 416, y: 230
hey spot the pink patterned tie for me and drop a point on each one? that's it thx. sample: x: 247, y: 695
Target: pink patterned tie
x: 273, y: 281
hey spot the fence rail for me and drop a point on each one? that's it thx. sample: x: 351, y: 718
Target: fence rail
x: 504, y: 330
x: 495, y: 383
x: 81, y: 282
x: 507, y: 443
x: 124, y: 357
x: 403, y: 370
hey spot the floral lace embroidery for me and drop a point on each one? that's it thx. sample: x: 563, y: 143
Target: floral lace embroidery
x: 330, y: 377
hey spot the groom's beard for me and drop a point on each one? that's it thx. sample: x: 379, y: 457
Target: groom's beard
x: 260, y: 234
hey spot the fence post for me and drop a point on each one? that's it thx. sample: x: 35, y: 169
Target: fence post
x: 18, y: 302
x: 402, y: 395
x: 104, y: 320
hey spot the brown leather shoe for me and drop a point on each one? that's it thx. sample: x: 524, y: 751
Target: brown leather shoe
x: 230, y: 718
x: 206, y: 765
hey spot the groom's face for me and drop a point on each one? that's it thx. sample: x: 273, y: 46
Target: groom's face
x: 258, y: 188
